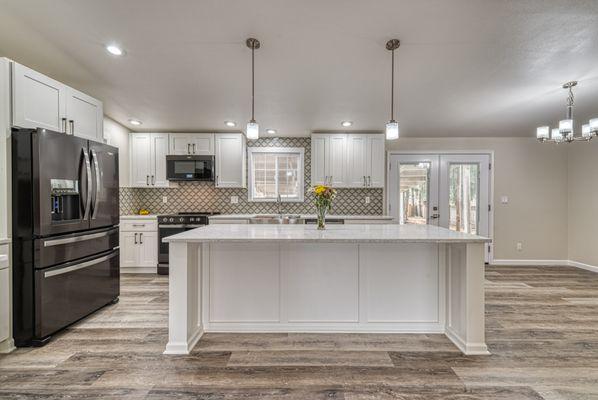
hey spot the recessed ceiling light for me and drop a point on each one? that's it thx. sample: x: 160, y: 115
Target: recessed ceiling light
x: 114, y: 50
x: 347, y: 123
x: 134, y: 122
x: 271, y: 131
x: 232, y: 124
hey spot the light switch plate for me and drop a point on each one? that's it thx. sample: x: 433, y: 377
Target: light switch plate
x: 234, y: 199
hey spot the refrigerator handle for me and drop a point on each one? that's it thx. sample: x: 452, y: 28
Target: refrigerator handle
x: 98, y: 173
x: 88, y: 176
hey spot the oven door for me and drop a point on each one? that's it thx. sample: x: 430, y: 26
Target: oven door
x: 165, y: 231
x: 190, y: 168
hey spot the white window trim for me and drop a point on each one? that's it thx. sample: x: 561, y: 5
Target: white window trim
x: 298, y: 150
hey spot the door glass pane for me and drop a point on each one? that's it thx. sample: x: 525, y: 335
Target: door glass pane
x: 414, y: 179
x: 464, y: 197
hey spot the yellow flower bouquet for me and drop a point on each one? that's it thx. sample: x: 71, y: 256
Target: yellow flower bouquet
x: 323, y: 201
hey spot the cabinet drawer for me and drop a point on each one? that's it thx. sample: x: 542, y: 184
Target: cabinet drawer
x: 143, y: 225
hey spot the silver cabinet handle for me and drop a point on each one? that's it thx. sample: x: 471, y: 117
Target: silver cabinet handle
x: 88, y: 171
x: 139, y: 225
x: 57, y: 242
x: 72, y: 124
x: 147, y: 180
x: 153, y: 180
x: 369, y: 181
x: 188, y: 148
x: 78, y: 266
x: 193, y: 148
x: 96, y: 164
x: 64, y: 125
x: 140, y: 241
x: 364, y: 184
x: 217, y: 180
x: 136, y: 237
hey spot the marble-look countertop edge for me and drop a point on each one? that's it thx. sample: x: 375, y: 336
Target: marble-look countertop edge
x: 326, y: 240
x: 304, y: 216
x: 134, y: 216
x: 5, y: 240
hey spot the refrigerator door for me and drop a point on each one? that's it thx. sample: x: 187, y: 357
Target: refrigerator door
x: 61, y: 172
x: 68, y: 292
x: 104, y: 204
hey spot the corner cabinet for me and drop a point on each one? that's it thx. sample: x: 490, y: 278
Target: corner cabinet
x: 348, y: 160
x: 148, y: 159
x: 39, y: 101
x: 192, y: 143
x: 231, y: 160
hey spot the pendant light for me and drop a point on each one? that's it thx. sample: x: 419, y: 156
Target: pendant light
x: 392, y: 126
x: 253, y: 129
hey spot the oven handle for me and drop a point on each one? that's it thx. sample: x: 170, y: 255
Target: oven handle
x: 180, y: 226
x: 79, y: 266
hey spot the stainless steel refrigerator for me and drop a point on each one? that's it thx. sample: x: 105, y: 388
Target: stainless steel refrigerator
x: 65, y: 231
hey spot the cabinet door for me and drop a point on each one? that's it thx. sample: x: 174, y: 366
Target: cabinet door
x: 140, y: 159
x: 180, y: 144
x: 129, y: 249
x: 319, y: 159
x: 202, y: 144
x: 4, y: 305
x: 158, y: 152
x: 357, y: 170
x: 148, y: 249
x: 85, y: 115
x: 38, y: 101
x: 230, y: 160
x: 375, y: 161
x: 337, y: 160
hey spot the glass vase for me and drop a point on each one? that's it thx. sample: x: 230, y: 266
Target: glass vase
x: 322, y: 218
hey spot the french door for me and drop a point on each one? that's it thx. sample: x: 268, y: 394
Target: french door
x: 447, y: 190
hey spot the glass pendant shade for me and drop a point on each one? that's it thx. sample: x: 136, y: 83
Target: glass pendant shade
x: 543, y: 132
x: 566, y: 125
x: 594, y: 124
x: 557, y: 135
x: 392, y: 130
x: 586, y: 132
x: 253, y: 130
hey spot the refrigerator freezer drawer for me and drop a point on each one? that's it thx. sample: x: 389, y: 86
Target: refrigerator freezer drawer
x: 69, y: 292
x: 60, y: 249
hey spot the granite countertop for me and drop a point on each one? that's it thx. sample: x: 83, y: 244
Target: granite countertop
x: 304, y: 216
x: 374, y: 233
x: 137, y: 216
x: 5, y: 240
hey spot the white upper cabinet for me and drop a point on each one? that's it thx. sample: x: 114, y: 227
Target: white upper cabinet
x: 231, y: 155
x: 192, y: 143
x: 348, y: 160
x: 85, y: 115
x: 148, y: 159
x: 38, y: 101
x: 42, y: 102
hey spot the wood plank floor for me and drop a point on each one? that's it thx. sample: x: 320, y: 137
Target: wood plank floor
x: 542, y: 330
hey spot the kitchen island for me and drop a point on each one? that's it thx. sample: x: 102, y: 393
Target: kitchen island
x: 347, y: 278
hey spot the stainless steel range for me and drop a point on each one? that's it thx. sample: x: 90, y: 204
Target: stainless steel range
x: 172, y: 224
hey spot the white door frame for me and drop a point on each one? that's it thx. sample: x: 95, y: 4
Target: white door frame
x: 390, y: 185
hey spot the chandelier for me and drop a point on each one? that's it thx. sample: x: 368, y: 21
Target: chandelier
x: 566, y: 130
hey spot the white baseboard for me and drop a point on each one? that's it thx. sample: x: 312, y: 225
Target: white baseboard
x: 546, y: 263
x: 138, y: 270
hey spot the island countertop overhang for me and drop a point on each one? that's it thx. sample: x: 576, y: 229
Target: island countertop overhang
x: 375, y: 233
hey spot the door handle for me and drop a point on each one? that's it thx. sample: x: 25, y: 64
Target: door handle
x: 193, y: 148
x: 72, y: 124
x: 78, y: 266
x: 64, y: 125
x: 96, y: 163
x: 140, y: 241
x: 136, y: 237
x: 76, y: 239
x: 147, y: 180
x: 88, y: 171
x: 188, y: 148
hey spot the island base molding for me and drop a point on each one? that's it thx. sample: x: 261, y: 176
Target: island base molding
x: 326, y: 287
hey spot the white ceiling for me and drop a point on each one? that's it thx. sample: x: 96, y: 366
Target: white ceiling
x: 465, y: 67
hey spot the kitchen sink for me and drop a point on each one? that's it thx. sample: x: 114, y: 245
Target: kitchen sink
x: 284, y: 219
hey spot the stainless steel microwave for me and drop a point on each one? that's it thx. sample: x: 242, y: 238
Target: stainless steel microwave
x: 190, y: 168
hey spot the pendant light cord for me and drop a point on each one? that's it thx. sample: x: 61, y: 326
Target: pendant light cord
x: 392, y: 87
x: 252, y: 84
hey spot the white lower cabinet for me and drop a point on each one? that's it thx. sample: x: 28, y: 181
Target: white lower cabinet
x: 139, y: 245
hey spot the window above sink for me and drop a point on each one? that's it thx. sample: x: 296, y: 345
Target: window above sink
x: 275, y: 171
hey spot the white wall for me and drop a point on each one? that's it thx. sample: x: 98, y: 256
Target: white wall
x: 534, y: 177
x: 118, y: 136
x: 583, y: 202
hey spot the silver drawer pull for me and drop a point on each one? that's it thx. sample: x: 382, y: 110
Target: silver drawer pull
x: 78, y: 266
x: 142, y: 225
x: 57, y: 242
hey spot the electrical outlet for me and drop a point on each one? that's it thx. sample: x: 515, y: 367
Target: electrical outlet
x: 367, y: 199
x: 164, y: 199
x: 504, y: 199
x: 234, y: 199
x: 519, y: 246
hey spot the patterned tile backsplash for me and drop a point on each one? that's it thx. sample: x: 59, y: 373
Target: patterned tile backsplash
x: 203, y: 196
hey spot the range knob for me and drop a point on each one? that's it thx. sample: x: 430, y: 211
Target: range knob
x: 191, y: 219
x: 171, y: 219
x: 181, y: 219
x: 165, y: 219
